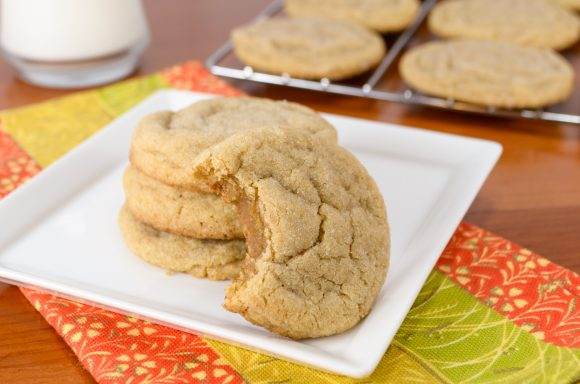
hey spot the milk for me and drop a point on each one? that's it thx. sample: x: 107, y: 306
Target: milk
x: 60, y: 30
x: 68, y: 31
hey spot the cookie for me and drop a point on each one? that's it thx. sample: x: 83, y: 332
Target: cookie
x: 535, y: 23
x: 212, y: 259
x: 489, y: 73
x: 308, y: 48
x: 165, y: 143
x: 179, y: 210
x: 315, y: 227
x: 380, y: 15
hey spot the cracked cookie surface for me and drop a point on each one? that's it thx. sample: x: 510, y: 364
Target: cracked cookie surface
x: 488, y: 73
x: 212, y: 259
x: 315, y: 226
x: 165, y: 144
x: 308, y: 48
x: 535, y: 23
x: 177, y: 210
x: 380, y: 15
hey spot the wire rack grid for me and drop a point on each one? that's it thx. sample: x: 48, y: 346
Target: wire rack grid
x: 367, y: 88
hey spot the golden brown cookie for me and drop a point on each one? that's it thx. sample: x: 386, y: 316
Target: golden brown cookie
x: 165, y: 143
x: 315, y: 227
x: 380, y: 15
x: 308, y: 48
x: 212, y: 259
x: 535, y: 23
x: 179, y: 210
x: 488, y: 73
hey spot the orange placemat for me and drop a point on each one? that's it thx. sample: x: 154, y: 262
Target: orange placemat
x: 490, y: 312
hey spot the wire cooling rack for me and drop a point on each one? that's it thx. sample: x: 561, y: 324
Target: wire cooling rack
x: 223, y: 63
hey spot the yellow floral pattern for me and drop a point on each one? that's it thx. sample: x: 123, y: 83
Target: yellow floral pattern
x: 48, y: 130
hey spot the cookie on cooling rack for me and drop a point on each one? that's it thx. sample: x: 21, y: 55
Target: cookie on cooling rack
x: 488, y: 73
x: 535, y: 23
x: 379, y: 15
x: 308, y: 48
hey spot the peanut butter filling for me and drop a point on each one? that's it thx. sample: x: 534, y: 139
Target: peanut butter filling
x: 249, y: 216
x: 252, y: 226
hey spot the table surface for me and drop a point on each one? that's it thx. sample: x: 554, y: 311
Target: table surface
x: 532, y: 197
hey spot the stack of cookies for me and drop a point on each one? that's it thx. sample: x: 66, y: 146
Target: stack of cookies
x: 227, y: 174
x: 180, y: 229
x: 166, y: 219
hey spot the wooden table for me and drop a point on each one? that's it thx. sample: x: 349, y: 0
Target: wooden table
x: 532, y: 197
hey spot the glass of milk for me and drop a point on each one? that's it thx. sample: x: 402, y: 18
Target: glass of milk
x: 72, y: 43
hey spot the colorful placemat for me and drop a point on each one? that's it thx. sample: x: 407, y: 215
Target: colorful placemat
x: 490, y: 312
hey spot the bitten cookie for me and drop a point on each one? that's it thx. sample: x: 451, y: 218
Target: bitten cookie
x: 535, y: 23
x: 212, y: 259
x: 178, y: 210
x: 308, y: 48
x: 380, y: 15
x: 165, y: 143
x: 489, y: 73
x: 315, y: 227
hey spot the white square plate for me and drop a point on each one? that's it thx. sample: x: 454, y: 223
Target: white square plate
x: 59, y: 232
